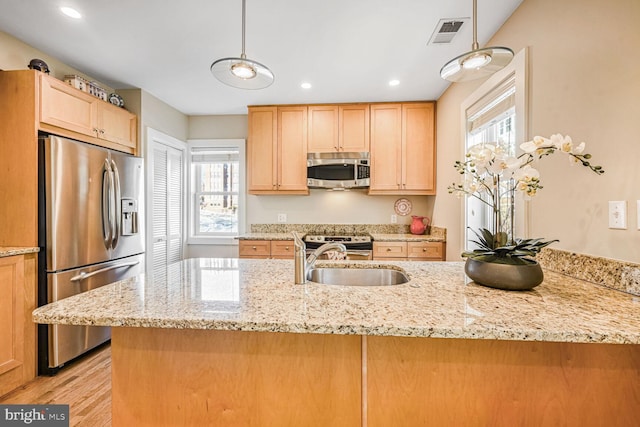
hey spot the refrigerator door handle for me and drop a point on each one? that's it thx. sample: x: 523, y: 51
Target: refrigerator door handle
x: 106, y: 204
x: 83, y: 275
x: 117, y: 201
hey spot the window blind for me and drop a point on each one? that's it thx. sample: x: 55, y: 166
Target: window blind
x: 495, y: 106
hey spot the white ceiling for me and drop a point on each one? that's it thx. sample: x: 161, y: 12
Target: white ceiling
x: 347, y: 49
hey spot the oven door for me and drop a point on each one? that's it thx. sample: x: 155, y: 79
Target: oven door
x: 350, y: 255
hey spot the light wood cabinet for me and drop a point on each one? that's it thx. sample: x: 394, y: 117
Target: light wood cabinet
x: 282, y: 249
x: 17, y: 335
x: 409, y: 251
x: 277, y: 150
x: 334, y: 128
x: 65, y: 107
x: 262, y: 249
x: 31, y: 101
x: 254, y: 249
x: 403, y: 151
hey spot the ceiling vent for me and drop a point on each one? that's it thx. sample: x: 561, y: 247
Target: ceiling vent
x: 446, y: 30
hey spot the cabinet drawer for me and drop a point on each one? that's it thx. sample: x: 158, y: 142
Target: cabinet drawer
x: 389, y: 250
x: 255, y: 248
x: 425, y: 250
x: 282, y: 249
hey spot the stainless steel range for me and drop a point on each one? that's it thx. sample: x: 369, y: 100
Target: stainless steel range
x: 359, y: 247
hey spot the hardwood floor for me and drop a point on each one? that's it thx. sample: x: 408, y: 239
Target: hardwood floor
x: 85, y: 385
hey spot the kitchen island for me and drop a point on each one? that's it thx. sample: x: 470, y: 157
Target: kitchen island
x: 235, y: 342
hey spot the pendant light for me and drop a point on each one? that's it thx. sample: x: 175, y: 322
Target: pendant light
x: 241, y: 72
x: 477, y: 63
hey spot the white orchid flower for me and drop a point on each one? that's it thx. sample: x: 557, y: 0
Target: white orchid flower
x: 526, y: 174
x: 557, y: 140
x: 534, y: 144
x: 579, y: 149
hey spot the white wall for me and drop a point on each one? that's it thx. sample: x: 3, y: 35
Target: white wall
x: 325, y: 207
x: 15, y: 55
x: 585, y: 82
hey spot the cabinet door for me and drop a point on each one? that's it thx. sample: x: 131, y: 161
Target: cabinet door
x: 116, y: 125
x: 418, y: 140
x: 262, y: 150
x: 292, y: 149
x: 382, y: 250
x: 254, y: 248
x: 323, y: 129
x: 282, y: 249
x: 425, y: 251
x: 354, y: 128
x: 66, y: 107
x: 386, y: 154
x: 12, y: 333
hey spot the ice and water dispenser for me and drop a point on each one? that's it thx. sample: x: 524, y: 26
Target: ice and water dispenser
x: 129, y: 216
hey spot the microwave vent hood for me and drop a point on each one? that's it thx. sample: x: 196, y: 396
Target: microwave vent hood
x: 338, y: 170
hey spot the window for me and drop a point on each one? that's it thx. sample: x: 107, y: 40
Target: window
x: 217, y: 179
x: 496, y: 113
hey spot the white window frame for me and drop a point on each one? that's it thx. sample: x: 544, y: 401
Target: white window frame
x: 519, y: 68
x: 194, y: 239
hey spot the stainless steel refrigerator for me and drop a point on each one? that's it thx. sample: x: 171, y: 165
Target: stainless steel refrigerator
x: 91, y: 234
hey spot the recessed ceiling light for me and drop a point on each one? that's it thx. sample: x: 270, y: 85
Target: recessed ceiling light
x: 70, y: 12
x: 394, y: 82
x: 305, y: 85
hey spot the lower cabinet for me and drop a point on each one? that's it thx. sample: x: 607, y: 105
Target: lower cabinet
x: 409, y: 251
x: 248, y: 378
x: 17, y: 334
x: 262, y: 249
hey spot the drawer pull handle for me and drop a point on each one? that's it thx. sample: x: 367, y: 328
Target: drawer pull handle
x: 388, y: 249
x: 254, y: 248
x: 424, y: 249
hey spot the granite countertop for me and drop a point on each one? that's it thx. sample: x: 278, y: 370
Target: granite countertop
x: 11, y: 250
x: 267, y: 236
x: 259, y: 295
x: 382, y: 237
x: 379, y: 237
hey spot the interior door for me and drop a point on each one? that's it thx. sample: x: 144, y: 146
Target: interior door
x: 167, y: 201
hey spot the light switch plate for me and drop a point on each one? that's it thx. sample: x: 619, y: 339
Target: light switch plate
x: 618, y: 214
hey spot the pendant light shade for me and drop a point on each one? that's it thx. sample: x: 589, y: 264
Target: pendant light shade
x: 241, y: 72
x: 478, y: 62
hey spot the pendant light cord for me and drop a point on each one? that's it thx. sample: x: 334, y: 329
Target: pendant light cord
x: 475, y: 45
x: 244, y: 7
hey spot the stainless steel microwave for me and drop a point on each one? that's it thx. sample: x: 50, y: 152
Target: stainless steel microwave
x: 338, y: 170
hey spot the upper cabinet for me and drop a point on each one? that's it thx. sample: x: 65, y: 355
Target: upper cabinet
x: 334, y: 128
x: 403, y: 149
x: 399, y: 136
x: 70, y: 109
x: 277, y: 150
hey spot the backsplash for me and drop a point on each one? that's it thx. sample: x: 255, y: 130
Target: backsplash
x: 343, y: 229
x: 619, y: 275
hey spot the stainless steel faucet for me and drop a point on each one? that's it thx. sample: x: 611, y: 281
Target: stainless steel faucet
x: 303, y: 264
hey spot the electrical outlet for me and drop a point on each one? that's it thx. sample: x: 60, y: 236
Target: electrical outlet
x: 282, y: 217
x: 394, y: 219
x: 618, y: 214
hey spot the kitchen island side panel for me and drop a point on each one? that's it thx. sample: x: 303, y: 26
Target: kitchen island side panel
x: 445, y: 382
x: 166, y: 377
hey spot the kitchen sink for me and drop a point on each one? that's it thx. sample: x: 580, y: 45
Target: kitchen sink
x: 357, y: 276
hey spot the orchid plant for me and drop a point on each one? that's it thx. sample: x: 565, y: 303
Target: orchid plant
x: 493, y: 176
